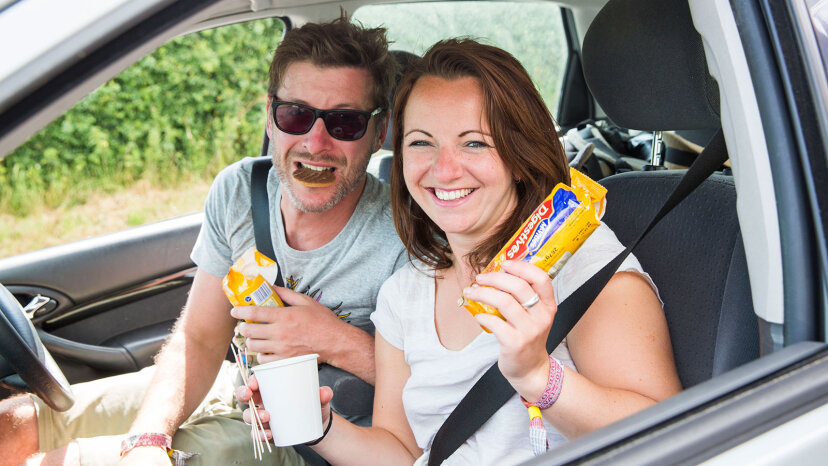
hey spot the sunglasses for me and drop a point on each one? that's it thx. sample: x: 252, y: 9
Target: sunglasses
x: 342, y: 124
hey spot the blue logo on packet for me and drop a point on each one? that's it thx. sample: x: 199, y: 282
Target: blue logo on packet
x: 538, y: 238
x: 564, y: 202
x: 247, y: 299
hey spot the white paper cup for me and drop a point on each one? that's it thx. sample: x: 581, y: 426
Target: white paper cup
x: 290, y: 392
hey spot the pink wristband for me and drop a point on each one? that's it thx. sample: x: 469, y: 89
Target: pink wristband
x: 150, y: 439
x: 553, y: 386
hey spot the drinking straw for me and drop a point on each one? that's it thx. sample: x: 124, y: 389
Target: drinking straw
x: 256, y: 423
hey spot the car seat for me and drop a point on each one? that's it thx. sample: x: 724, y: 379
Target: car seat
x: 384, y: 164
x: 644, y: 64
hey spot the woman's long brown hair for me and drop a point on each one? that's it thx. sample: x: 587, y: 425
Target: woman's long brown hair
x: 524, y: 135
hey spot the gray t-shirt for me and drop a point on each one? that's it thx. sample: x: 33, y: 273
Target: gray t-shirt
x: 344, y: 275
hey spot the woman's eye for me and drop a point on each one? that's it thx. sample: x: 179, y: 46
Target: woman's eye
x: 418, y: 143
x: 477, y: 144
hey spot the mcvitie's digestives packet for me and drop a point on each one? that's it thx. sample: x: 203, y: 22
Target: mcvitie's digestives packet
x: 554, y: 231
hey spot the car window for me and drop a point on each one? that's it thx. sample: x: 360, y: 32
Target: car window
x: 532, y: 32
x: 143, y: 147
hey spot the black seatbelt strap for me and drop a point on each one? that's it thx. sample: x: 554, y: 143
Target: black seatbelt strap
x: 260, y: 206
x: 492, y: 390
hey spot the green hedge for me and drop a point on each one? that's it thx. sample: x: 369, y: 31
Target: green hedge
x: 188, y: 109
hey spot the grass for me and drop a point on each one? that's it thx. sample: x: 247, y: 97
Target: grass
x: 101, y: 213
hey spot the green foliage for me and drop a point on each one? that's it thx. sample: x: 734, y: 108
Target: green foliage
x: 192, y: 106
x: 531, y: 31
x: 197, y: 103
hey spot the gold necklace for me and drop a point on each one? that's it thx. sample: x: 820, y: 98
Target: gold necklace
x: 461, y: 299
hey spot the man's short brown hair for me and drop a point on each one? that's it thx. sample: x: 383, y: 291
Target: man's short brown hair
x: 338, y: 43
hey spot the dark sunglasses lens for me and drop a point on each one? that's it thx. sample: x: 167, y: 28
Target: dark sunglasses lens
x: 346, y: 125
x: 293, y: 119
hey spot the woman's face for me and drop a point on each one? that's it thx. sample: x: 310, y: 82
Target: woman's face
x: 450, y: 164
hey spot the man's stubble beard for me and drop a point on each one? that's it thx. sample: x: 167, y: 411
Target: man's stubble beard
x: 354, y: 176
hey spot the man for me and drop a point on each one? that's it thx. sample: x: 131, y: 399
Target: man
x: 333, y: 237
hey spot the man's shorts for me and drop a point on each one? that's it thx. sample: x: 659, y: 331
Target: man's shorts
x: 104, y: 410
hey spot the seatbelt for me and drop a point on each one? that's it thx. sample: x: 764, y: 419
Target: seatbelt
x: 260, y: 206
x: 492, y: 390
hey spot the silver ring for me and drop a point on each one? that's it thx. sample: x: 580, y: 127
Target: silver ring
x: 531, y: 301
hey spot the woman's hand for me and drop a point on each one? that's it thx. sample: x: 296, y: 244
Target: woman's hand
x: 251, y: 391
x: 522, y: 336
x: 245, y: 394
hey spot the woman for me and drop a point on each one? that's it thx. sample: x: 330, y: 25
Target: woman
x: 479, y: 151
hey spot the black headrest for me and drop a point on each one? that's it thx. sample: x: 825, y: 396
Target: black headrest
x: 402, y: 57
x: 645, y: 65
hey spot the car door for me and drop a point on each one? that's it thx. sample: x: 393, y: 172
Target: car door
x: 104, y: 305
x: 771, y: 410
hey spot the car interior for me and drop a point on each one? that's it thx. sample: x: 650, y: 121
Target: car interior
x: 707, y: 300
x: 641, y: 65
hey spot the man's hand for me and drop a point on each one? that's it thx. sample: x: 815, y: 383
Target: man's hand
x: 304, y: 327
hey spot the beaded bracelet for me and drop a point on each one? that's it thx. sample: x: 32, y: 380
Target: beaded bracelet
x: 553, y: 386
x: 537, y: 431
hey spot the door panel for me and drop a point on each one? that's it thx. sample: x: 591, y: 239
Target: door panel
x: 711, y: 417
x: 110, y: 300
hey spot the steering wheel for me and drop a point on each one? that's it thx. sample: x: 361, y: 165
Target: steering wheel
x: 22, y: 352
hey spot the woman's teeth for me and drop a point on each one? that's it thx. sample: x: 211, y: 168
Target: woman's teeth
x: 451, y: 195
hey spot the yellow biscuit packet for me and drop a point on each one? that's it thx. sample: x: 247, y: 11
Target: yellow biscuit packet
x: 248, y: 283
x: 554, y: 231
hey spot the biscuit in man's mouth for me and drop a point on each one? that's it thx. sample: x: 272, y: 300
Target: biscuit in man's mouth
x: 314, y: 177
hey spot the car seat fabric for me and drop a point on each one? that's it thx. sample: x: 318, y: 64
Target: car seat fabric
x: 644, y: 63
x: 696, y: 258
x: 402, y: 58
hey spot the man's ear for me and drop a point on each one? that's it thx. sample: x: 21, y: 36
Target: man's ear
x: 268, y: 127
x: 383, y: 129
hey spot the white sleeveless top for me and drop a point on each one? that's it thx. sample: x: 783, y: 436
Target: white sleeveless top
x: 441, y: 377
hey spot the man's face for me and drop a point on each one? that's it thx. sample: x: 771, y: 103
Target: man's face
x: 316, y: 170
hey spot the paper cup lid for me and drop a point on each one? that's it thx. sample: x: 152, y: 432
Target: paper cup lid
x: 284, y: 362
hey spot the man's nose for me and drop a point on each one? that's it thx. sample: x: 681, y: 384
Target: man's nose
x: 318, y: 139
